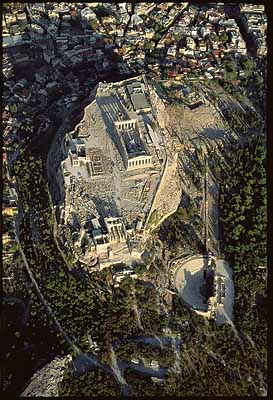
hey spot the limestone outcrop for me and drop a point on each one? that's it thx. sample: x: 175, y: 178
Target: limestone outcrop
x: 45, y: 381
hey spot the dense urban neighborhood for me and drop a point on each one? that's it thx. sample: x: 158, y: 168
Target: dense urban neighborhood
x: 134, y: 199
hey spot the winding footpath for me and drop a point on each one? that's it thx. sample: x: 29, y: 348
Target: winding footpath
x: 42, y: 299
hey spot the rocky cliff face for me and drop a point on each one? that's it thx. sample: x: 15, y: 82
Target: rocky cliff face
x: 160, y: 108
x: 54, y: 172
x: 45, y: 382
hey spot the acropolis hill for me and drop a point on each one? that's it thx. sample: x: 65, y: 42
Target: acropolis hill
x: 118, y: 174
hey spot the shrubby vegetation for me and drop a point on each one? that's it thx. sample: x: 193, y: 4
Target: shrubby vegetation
x: 230, y: 70
x: 213, y: 359
x: 179, y: 317
x: 148, y: 304
x: 243, y: 205
x: 130, y: 350
x: 94, y: 383
x: 238, y: 359
x: 178, y: 231
x: 42, y: 254
x: 143, y: 386
x: 252, y: 84
x: 213, y: 363
x: 243, y: 121
x: 86, y: 307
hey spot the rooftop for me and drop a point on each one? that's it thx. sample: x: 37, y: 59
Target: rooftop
x: 139, y: 101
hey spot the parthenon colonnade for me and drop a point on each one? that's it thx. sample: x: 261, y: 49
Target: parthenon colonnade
x: 139, y: 163
x: 128, y: 124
